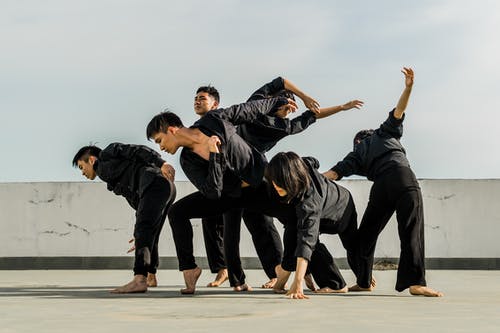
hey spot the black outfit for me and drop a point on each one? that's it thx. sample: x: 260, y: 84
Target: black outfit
x: 133, y: 171
x: 382, y: 158
x: 263, y: 132
x: 220, y: 178
x: 328, y: 208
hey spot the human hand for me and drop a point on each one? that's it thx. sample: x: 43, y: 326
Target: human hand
x: 213, y: 144
x: 286, y: 109
x: 296, y: 291
x: 168, y: 171
x: 409, y: 75
x: 354, y: 104
x: 133, y: 246
x: 311, y: 104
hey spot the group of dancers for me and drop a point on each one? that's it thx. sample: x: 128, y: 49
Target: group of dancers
x: 223, y: 156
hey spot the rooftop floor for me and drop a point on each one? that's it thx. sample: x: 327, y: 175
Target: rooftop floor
x: 78, y: 301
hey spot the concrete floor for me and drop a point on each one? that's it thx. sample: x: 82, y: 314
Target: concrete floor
x: 78, y: 301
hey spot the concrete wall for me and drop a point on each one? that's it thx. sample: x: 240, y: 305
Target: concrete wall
x: 462, y: 220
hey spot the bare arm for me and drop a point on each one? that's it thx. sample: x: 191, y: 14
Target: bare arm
x: 296, y: 290
x: 405, y: 96
x: 309, y: 102
x: 325, y: 112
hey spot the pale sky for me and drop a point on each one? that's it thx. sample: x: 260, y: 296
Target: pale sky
x: 74, y: 72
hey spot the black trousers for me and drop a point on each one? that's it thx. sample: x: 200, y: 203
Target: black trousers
x: 322, y: 265
x: 213, y: 235
x: 222, y: 240
x: 323, y: 268
x: 397, y: 190
x: 196, y: 205
x: 150, y: 216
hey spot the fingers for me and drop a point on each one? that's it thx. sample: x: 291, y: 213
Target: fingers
x: 131, y: 241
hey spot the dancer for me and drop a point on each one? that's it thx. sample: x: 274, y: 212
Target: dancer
x: 139, y: 174
x: 379, y: 155
x: 220, y: 164
x: 318, y: 205
x: 263, y: 133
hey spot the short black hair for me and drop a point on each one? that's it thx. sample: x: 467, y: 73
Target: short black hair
x: 211, y: 91
x: 361, y: 135
x: 288, y: 171
x: 85, y: 152
x: 161, y: 122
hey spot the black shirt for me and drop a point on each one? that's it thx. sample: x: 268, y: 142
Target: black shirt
x: 324, y: 202
x: 377, y: 153
x: 266, y: 129
x: 128, y: 169
x: 237, y: 161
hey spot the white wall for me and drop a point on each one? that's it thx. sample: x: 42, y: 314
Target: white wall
x: 462, y: 219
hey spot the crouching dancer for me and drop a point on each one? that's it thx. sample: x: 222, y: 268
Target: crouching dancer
x: 140, y: 175
x: 318, y: 205
x: 379, y: 155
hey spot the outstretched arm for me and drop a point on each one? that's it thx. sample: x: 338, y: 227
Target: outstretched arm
x: 309, y: 102
x: 325, y: 112
x: 405, y: 96
x: 297, y: 290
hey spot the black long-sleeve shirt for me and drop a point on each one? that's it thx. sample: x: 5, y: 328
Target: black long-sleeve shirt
x: 376, y: 153
x: 237, y: 161
x: 128, y: 169
x: 322, y: 205
x: 266, y: 130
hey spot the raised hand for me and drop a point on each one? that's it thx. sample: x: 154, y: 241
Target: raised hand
x: 409, y: 75
x: 354, y: 104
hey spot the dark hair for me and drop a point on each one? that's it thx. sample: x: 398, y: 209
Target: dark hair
x: 211, y: 91
x: 288, y: 171
x: 85, y: 152
x: 361, y: 135
x: 161, y: 122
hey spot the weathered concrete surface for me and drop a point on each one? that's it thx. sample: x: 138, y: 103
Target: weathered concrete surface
x: 78, y: 301
x: 462, y: 220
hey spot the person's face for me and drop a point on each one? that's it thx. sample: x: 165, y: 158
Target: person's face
x: 281, y: 191
x: 203, y: 103
x: 167, y: 140
x: 87, y: 168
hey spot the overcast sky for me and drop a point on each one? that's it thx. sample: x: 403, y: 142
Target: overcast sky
x: 74, y: 72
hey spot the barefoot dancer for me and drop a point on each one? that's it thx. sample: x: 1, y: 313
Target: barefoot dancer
x: 263, y: 133
x: 140, y: 175
x: 380, y: 156
x: 318, y: 205
x: 219, y: 163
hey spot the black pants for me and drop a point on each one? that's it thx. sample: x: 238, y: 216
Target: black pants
x: 150, y: 217
x: 196, y: 205
x: 213, y: 235
x: 397, y: 190
x: 222, y: 240
x: 322, y: 266
x: 265, y: 236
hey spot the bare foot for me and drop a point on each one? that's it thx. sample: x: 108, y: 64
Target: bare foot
x: 243, y: 287
x: 425, y: 291
x: 220, y: 278
x: 137, y: 285
x: 358, y: 288
x: 326, y: 290
x: 373, y: 284
x: 151, y: 280
x: 190, y: 278
x: 309, y: 282
x: 270, y: 284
